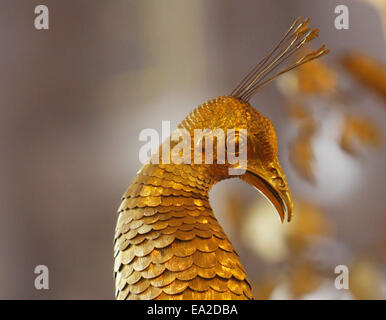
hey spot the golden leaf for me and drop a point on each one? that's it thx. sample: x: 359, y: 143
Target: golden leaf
x: 315, y: 78
x: 310, y: 221
x: 303, y: 279
x: 263, y: 289
x: 361, y: 129
x: 368, y: 71
x: 365, y: 280
x: 297, y: 111
x: 301, y: 152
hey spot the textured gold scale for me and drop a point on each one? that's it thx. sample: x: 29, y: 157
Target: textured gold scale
x: 169, y: 245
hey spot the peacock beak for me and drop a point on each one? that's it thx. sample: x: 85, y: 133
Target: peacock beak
x: 271, y: 182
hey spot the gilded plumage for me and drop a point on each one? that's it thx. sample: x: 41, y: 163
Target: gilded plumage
x: 168, y: 243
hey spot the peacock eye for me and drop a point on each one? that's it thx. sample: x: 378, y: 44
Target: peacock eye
x: 236, y: 141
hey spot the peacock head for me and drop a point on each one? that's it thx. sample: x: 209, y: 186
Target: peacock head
x: 229, y: 139
x: 239, y: 141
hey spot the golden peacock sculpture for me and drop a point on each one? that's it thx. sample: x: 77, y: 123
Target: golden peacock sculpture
x: 168, y: 243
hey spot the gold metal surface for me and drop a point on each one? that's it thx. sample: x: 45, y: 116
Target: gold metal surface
x: 168, y: 243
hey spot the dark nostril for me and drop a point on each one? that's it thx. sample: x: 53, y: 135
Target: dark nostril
x: 274, y: 171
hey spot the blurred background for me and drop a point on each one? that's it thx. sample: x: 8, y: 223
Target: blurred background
x: 75, y: 97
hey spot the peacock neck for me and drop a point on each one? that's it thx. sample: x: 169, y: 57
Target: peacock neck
x: 189, y: 178
x: 160, y: 186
